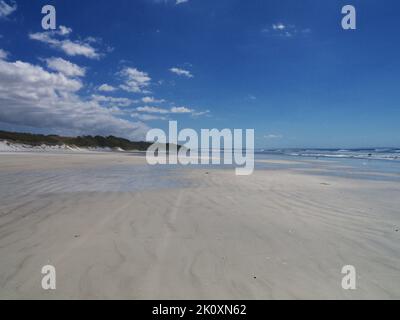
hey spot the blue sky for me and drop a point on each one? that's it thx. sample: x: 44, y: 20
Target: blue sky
x: 285, y: 68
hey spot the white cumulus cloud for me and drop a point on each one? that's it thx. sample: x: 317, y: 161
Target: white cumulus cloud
x: 181, y: 110
x: 106, y: 88
x: 65, y: 67
x: 31, y: 96
x: 135, y: 81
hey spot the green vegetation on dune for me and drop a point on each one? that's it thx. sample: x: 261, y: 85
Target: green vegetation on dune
x: 82, y: 141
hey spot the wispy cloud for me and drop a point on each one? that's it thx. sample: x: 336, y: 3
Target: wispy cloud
x: 272, y: 136
x: 149, y: 109
x: 58, y: 39
x: 147, y: 117
x: 7, y: 9
x: 172, y: 110
x: 112, y: 102
x: 177, y: 2
x: 285, y: 30
x: 152, y: 100
x: 65, y: 30
x: 181, y: 72
x: 3, y: 54
x: 200, y: 113
x: 135, y: 81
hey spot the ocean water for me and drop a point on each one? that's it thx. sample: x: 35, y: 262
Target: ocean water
x: 374, y: 164
x: 371, y: 164
x: 391, y: 154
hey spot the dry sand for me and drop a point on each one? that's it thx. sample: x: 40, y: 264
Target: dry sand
x: 278, y: 234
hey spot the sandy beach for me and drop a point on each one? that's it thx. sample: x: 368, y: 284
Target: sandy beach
x: 115, y: 228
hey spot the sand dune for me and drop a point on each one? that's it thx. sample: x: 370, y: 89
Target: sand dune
x: 114, y: 228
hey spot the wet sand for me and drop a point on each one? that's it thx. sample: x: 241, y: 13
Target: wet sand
x: 115, y: 228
